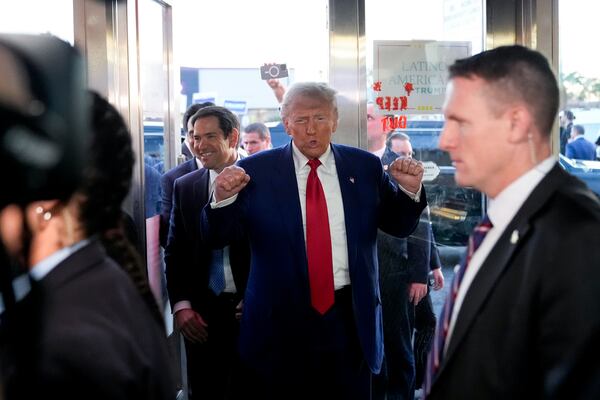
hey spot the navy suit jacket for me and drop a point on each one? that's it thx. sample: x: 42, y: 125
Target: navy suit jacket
x: 187, y: 255
x: 533, y: 303
x: 581, y: 149
x: 166, y: 183
x: 277, y: 309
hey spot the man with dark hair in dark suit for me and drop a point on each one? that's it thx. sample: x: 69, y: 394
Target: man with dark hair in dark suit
x: 206, y: 287
x: 404, y: 265
x: 311, y: 326
x: 526, y: 297
x: 169, y: 177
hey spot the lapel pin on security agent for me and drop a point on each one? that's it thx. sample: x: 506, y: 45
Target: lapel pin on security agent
x: 351, y: 179
x: 514, y: 237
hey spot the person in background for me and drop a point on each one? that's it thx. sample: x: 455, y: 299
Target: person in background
x: 404, y: 265
x: 256, y: 138
x: 565, y: 120
x: 376, y: 134
x: 579, y: 148
x: 187, y: 150
x: 525, y: 299
x: 169, y: 177
x: 84, y: 270
x: 311, y: 326
x: 597, y: 143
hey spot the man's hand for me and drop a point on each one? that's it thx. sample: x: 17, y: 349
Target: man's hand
x: 416, y: 292
x: 191, y: 325
x: 408, y: 173
x: 438, y: 279
x: 230, y: 182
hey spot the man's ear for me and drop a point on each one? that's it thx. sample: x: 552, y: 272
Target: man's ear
x: 234, y: 138
x: 40, y: 213
x: 521, y: 123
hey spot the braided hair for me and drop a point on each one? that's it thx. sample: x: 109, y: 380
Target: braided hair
x: 106, y: 183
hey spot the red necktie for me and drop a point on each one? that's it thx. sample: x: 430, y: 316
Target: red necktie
x: 318, y: 243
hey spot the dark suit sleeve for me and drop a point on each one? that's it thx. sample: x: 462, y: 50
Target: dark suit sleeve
x: 179, y: 283
x: 166, y: 183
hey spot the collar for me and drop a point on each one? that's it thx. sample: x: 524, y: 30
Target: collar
x: 504, y: 207
x: 44, y: 267
x: 300, y: 160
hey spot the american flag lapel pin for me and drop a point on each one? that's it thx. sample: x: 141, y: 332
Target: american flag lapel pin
x: 351, y: 179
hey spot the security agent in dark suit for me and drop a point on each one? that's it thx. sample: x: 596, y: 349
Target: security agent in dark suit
x: 206, y: 315
x: 403, y: 269
x: 529, y: 297
x: 311, y: 326
x: 169, y: 177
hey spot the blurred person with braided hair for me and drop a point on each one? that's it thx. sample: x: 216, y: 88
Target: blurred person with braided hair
x: 95, y: 320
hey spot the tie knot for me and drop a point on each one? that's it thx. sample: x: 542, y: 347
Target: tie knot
x: 314, y: 164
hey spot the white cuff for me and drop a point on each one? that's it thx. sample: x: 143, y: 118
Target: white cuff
x: 222, y: 203
x: 414, y: 196
x: 181, y: 305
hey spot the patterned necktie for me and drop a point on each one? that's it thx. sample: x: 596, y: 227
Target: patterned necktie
x: 318, y: 243
x: 216, y: 277
x: 441, y: 332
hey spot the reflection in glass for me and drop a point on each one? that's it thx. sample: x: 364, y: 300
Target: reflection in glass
x: 154, y: 84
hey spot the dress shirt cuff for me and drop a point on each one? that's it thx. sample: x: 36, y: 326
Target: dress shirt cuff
x: 222, y: 203
x: 181, y: 305
x: 416, y: 197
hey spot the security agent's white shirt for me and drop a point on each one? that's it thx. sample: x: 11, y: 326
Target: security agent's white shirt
x: 501, y: 211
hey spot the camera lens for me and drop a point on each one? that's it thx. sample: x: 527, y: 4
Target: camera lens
x: 274, y: 71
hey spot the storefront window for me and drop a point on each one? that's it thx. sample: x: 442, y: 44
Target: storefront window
x: 409, y: 46
x: 579, y: 71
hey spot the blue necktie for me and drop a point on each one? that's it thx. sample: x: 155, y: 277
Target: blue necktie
x: 441, y: 332
x: 216, y: 277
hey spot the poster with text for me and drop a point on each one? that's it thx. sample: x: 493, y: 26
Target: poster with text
x: 409, y: 77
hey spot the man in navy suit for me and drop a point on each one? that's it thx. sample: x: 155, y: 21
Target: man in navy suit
x: 299, y: 337
x: 205, y: 306
x: 169, y: 177
x: 579, y: 148
x: 528, y: 299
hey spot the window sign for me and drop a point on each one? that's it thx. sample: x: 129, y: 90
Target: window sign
x: 410, y: 76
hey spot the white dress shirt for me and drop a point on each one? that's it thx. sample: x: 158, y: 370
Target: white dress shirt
x: 501, y: 211
x: 327, y: 173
